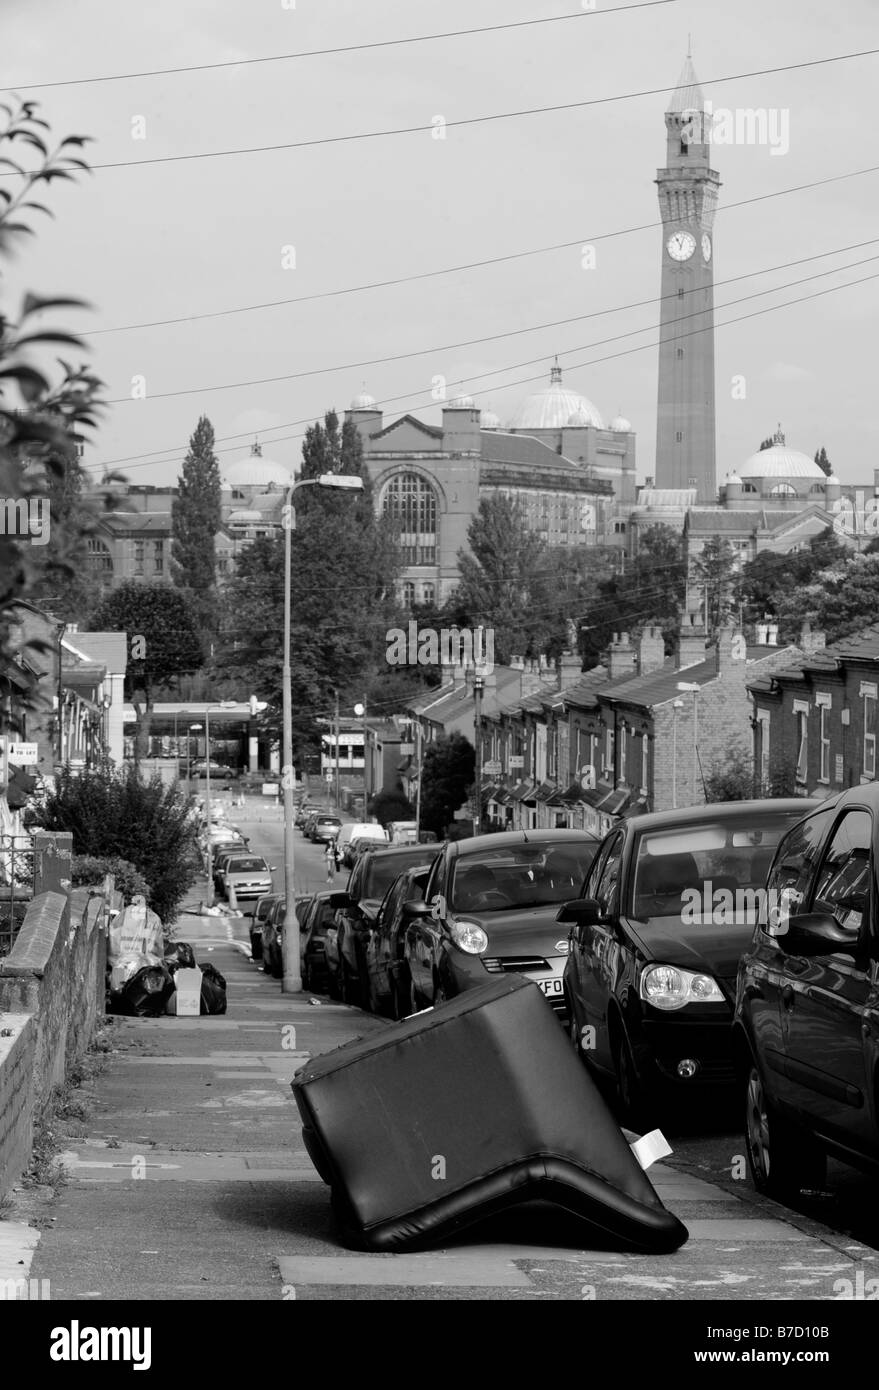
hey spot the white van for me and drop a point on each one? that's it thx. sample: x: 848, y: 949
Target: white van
x: 359, y: 830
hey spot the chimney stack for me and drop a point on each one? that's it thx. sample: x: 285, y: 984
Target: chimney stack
x: 812, y: 641
x: 651, y: 651
x: 569, y: 669
x: 691, y: 642
x: 621, y: 657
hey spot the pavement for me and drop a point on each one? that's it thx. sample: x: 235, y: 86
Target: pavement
x: 188, y: 1179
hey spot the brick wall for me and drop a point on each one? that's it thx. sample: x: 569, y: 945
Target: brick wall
x: 16, y: 1096
x: 55, y: 974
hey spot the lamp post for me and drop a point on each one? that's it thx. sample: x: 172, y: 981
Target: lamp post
x: 292, y: 977
x: 677, y: 705
x: 692, y: 688
x: 360, y: 712
x: 224, y: 704
x: 478, y: 687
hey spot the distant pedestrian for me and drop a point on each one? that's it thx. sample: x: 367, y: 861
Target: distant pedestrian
x: 331, y: 861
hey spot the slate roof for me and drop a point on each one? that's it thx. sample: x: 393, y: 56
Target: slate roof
x: 498, y: 447
x: 859, y: 646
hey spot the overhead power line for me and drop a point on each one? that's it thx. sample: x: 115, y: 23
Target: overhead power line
x: 493, y: 116
x: 333, y: 52
x: 139, y: 461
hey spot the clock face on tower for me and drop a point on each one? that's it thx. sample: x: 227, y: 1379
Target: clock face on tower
x: 706, y: 247
x: 680, y: 246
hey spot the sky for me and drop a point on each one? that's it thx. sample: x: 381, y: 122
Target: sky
x: 182, y: 239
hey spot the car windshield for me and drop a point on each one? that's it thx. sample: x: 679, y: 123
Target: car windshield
x: 520, y: 876
x: 708, y: 865
x: 240, y: 865
x: 381, y: 872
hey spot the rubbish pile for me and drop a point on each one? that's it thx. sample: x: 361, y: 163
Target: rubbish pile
x: 147, y: 976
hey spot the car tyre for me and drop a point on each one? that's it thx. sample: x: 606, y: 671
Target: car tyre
x: 637, y: 1108
x: 349, y: 988
x: 256, y: 948
x: 781, y: 1158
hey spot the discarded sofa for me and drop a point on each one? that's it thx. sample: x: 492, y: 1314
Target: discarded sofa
x: 467, y: 1110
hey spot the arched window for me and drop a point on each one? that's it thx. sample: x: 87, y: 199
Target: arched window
x: 408, y: 593
x: 428, y: 593
x: 100, y: 560
x: 783, y: 490
x: 411, y: 501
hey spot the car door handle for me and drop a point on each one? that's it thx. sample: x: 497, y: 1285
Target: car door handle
x: 787, y: 997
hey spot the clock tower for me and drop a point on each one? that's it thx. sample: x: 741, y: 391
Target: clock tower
x: 685, y: 427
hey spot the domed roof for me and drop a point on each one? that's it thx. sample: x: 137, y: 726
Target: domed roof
x: 781, y: 462
x: 363, y: 402
x: 834, y: 481
x: 620, y: 425
x: 489, y: 421
x: 553, y: 407
x: 255, y: 471
x: 462, y: 403
x: 733, y: 477
x: 579, y: 417
x: 244, y: 518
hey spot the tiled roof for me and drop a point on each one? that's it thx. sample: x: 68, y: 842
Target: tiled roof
x: 498, y: 447
x: 859, y: 646
x: 714, y: 520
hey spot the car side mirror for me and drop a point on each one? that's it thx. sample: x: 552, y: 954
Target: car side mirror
x: 411, y: 911
x: 817, y: 934
x: 580, y: 912
x: 272, y: 868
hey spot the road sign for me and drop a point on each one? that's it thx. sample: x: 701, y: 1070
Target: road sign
x: 328, y: 777
x: 517, y: 761
x: 492, y: 767
x: 23, y: 754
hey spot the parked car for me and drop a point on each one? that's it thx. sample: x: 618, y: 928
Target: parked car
x: 324, y: 827
x: 258, y: 919
x: 308, y: 823
x: 655, y: 941
x: 403, y: 832
x: 220, y: 862
x: 368, y: 882
x: 360, y: 830
x: 314, y: 925
x: 200, y: 769
x: 273, y: 932
x: 490, y: 906
x: 806, y: 1030
x: 249, y: 875
x: 386, y: 988
x: 306, y: 808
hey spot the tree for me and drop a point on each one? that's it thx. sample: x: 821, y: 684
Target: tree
x: 391, y: 803
x: 732, y: 779
x: 714, y: 573
x: 113, y: 814
x: 763, y: 583
x: 447, y: 772
x: 195, y: 520
x: 344, y: 563
x: 649, y: 590
x: 163, y: 643
x: 766, y: 444
x: 823, y: 461
x: 837, y: 601
x: 38, y: 421
x: 500, y: 584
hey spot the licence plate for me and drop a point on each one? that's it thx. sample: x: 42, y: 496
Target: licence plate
x: 553, y: 986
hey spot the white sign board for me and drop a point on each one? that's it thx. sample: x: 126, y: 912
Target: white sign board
x: 270, y: 789
x: 492, y: 768
x: 23, y: 754
x: 517, y: 760
x: 188, y: 993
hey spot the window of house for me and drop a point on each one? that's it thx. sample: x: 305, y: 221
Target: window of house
x: 680, y: 293
x: 408, y: 593
x: 158, y: 557
x: 645, y: 750
x: 761, y: 748
x: 679, y: 436
x: 608, y: 752
x: 624, y: 730
x: 680, y: 354
x: 411, y: 501
x: 868, y: 694
x: 138, y: 557
x: 428, y: 593
x: 823, y: 700
x: 801, y: 714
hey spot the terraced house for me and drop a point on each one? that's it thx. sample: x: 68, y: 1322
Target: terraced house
x: 816, y: 716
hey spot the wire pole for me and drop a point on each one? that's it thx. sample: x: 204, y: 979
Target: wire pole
x: 337, y: 751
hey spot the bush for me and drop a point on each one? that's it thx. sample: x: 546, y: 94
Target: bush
x: 87, y: 869
x: 115, y: 814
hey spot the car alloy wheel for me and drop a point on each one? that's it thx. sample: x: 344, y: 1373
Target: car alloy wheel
x: 781, y: 1159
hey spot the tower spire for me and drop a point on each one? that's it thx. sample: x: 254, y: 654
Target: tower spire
x: 555, y: 373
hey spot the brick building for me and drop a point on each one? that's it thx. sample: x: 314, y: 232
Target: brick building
x: 814, y: 720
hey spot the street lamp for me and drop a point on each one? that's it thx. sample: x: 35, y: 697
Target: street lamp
x: 677, y: 705
x: 690, y: 687
x: 223, y: 704
x: 292, y: 977
x: 193, y: 729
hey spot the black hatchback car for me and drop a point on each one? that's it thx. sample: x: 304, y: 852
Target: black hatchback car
x: 806, y: 1028
x: 490, y: 906
x: 667, y: 911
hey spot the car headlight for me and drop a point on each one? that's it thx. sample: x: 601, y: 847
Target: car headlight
x: 470, y: 937
x: 667, y: 987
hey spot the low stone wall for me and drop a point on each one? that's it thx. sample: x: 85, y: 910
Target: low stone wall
x: 54, y: 976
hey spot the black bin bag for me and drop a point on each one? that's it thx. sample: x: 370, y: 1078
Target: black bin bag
x: 467, y: 1110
